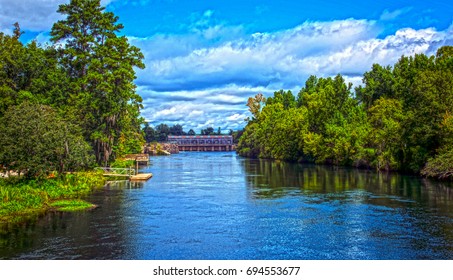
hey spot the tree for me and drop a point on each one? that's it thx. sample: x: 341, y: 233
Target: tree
x: 150, y: 133
x: 30, y: 73
x: 400, y: 119
x: 177, y: 130
x: 207, y: 131
x: 100, y: 65
x: 310, y: 88
x: 341, y: 141
x: 286, y: 141
x: 36, y: 141
x: 249, y: 145
x: 379, y: 82
x: 11, y: 57
x: 191, y: 132
x: 387, y: 119
x: 162, y: 132
x: 286, y: 98
x: 255, y: 104
x: 441, y: 165
x: 237, y: 135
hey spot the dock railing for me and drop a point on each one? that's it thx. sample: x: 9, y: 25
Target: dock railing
x: 111, y: 171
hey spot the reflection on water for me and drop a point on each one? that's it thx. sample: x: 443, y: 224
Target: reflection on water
x: 272, y: 179
x: 220, y: 206
x: 403, y: 211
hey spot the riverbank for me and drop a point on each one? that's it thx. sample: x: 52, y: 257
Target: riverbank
x: 161, y: 149
x: 21, y: 198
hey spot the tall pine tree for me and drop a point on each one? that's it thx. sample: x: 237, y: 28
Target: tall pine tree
x: 100, y: 65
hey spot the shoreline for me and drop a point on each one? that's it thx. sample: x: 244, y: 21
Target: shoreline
x: 23, y: 199
x: 360, y: 167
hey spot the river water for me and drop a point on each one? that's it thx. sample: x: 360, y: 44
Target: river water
x: 220, y: 206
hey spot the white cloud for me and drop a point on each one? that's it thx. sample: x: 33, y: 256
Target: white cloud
x: 387, y: 15
x: 283, y: 59
x: 236, y: 117
x: 260, y: 58
x: 7, y: 31
x: 33, y: 15
x: 208, y: 13
x: 197, y: 109
x: 43, y: 38
x: 216, y: 79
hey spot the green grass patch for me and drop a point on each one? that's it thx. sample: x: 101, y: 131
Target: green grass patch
x: 20, y: 197
x: 71, y: 205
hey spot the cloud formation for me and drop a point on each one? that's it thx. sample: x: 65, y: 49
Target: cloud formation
x: 387, y: 15
x: 197, y: 109
x: 217, y: 79
x: 32, y: 15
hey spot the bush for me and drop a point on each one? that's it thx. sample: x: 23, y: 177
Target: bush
x: 440, y: 166
x: 36, y: 141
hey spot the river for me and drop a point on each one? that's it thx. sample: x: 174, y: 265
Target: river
x: 217, y: 205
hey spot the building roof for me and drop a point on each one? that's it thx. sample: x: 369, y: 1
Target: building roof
x: 198, y: 136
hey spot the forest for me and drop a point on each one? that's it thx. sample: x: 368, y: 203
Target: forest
x: 399, y: 119
x: 71, y: 104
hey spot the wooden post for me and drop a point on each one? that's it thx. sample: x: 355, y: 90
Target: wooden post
x: 136, y: 166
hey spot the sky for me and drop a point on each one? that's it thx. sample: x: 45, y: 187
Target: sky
x: 205, y: 58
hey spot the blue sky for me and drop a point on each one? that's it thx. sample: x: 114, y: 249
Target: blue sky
x: 204, y: 58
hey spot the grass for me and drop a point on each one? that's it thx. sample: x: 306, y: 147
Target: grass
x: 20, y: 197
x: 71, y: 205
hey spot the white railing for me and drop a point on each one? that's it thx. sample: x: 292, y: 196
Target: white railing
x: 111, y: 171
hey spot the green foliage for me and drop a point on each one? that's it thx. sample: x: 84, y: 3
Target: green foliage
x: 100, y: 66
x: 176, y: 130
x: 208, y: 131
x: 150, y: 133
x: 29, y: 73
x: 286, y: 98
x: 441, y: 166
x: 379, y: 82
x: 22, y: 197
x: 71, y: 205
x: 249, y: 145
x: 276, y: 130
x: 399, y: 119
x: 36, y: 141
x: 162, y: 131
x: 387, y: 119
x: 87, y: 77
x: 119, y: 163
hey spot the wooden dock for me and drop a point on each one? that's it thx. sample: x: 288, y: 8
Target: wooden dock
x: 141, y: 177
x: 130, y: 173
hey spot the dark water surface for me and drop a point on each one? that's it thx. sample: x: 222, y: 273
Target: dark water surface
x: 220, y: 206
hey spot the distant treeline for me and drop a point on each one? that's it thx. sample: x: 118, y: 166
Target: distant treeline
x: 160, y: 132
x: 401, y: 118
x: 72, y: 104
